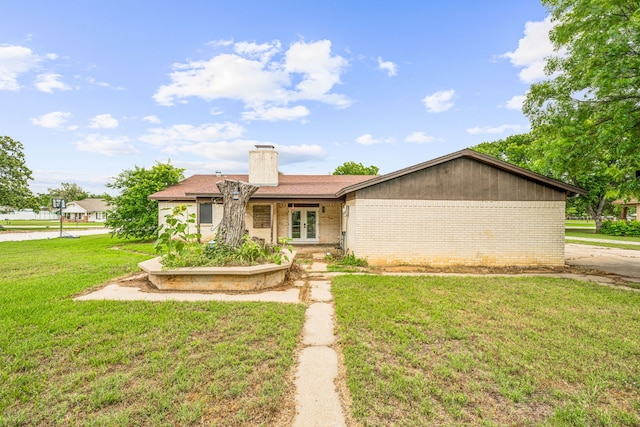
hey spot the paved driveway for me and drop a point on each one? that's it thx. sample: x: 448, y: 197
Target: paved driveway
x: 40, y: 235
x: 624, y: 262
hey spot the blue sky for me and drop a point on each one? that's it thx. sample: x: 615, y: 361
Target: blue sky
x: 91, y: 88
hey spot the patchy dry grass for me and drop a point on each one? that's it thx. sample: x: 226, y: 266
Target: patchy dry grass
x: 489, y: 351
x: 132, y: 363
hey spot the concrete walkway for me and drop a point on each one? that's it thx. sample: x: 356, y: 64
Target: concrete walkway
x: 593, y: 239
x: 317, y: 399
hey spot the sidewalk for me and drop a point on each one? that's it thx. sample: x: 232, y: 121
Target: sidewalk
x: 590, y: 239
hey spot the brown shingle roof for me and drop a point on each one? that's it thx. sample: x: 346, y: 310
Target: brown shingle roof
x: 93, y: 205
x: 289, y: 186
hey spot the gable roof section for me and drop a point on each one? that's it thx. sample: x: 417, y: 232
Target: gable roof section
x: 468, y: 153
x: 289, y: 186
x: 92, y: 205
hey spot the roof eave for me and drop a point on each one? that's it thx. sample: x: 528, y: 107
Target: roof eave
x: 567, y: 188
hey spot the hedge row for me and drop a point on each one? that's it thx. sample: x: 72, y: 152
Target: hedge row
x: 621, y: 228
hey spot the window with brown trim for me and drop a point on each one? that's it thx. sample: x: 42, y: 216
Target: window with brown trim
x: 206, y: 213
x: 261, y: 216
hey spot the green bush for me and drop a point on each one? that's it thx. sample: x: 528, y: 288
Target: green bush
x: 179, y: 247
x: 621, y: 228
x: 348, y: 260
x: 251, y: 252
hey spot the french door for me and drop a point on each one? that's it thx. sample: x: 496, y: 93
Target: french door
x: 303, y: 225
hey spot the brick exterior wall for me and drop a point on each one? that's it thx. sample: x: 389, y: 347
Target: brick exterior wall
x: 329, y: 226
x: 445, y: 233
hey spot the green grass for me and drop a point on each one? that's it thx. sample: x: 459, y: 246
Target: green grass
x: 132, y: 363
x: 489, y: 351
x: 580, y: 223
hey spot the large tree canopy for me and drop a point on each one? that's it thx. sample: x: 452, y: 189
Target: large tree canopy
x: 14, y: 176
x: 353, y: 168
x: 513, y: 149
x: 68, y: 191
x: 586, y: 116
x: 133, y: 214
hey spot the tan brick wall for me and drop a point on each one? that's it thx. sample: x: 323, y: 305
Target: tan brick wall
x: 329, y: 223
x: 329, y: 226
x: 498, y: 233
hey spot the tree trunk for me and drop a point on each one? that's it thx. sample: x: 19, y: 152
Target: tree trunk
x: 235, y: 196
x: 596, y: 213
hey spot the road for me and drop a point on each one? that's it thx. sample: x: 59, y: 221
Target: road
x: 8, y: 236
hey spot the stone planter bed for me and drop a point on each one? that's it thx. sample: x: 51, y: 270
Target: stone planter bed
x: 251, y: 278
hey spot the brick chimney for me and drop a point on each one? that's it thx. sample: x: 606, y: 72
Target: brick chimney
x: 263, y: 166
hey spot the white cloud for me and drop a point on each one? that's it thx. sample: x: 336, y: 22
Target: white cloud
x: 515, y: 103
x: 388, y: 66
x: 367, y: 139
x: 263, y: 52
x: 260, y: 75
x: 103, y: 121
x: 48, y: 82
x: 95, y: 143
x: 152, y: 119
x: 15, y: 60
x: 288, y: 154
x: 52, y: 120
x: 495, y: 130
x: 276, y: 113
x: 419, y: 138
x: 320, y: 72
x: 189, y: 134
x: 95, y: 82
x: 439, y: 101
x: 532, y: 51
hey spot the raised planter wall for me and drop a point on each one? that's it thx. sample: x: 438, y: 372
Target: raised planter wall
x: 252, y: 278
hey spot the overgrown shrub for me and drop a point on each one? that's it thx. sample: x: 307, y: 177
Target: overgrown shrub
x: 176, y: 239
x: 621, y: 228
x: 349, y: 260
x: 250, y: 252
x: 179, y: 247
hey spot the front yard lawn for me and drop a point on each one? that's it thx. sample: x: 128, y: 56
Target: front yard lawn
x: 132, y: 363
x: 489, y: 351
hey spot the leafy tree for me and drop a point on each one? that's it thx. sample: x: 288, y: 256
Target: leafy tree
x: 513, y: 149
x: 14, y: 176
x: 353, y: 168
x: 586, y: 116
x: 133, y: 214
x: 68, y: 191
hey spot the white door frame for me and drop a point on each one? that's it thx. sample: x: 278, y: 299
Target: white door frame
x: 304, y: 226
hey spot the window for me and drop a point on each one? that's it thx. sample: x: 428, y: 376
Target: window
x: 206, y: 213
x: 261, y: 216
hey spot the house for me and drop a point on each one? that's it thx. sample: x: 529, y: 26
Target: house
x: 86, y: 210
x: 625, y: 205
x: 464, y: 208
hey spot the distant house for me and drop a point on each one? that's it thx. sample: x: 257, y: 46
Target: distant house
x: 86, y: 210
x: 625, y: 205
x: 465, y: 208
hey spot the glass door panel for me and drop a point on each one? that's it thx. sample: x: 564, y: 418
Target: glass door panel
x: 296, y: 224
x: 311, y: 224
